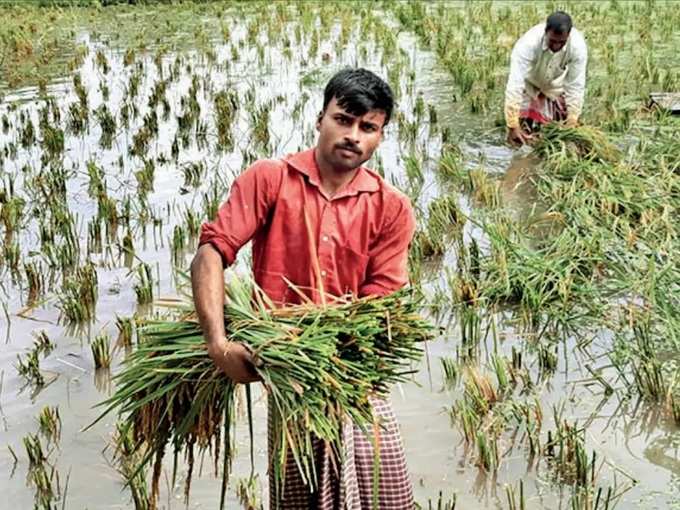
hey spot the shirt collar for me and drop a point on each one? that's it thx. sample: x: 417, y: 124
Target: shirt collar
x: 305, y: 163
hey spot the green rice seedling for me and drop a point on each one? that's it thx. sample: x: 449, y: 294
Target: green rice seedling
x: 179, y: 243
x: 12, y: 255
x: 42, y: 343
x: 94, y: 236
x: 487, y: 451
x: 128, y: 464
x: 451, y: 370
x: 80, y: 91
x: 414, y: 176
x: 126, y: 330
x: 503, y: 376
x: 226, y: 104
x: 107, y: 211
x: 29, y: 368
x: 211, y: 202
x: 169, y: 389
x: 192, y: 222
x: 260, y: 119
x: 53, y: 142
x: 567, y: 457
x: 78, y: 119
x: 451, y: 164
x: 78, y: 299
x: 27, y: 134
x: 47, y: 486
x: 145, y: 177
x: 102, y: 62
x: 107, y: 124
x: 424, y: 246
x: 144, y: 285
x: 97, y: 184
x: 49, y: 422
x: 35, y: 278
x: 11, y: 214
x: 432, y: 115
x: 34, y: 450
x: 101, y: 351
x: 444, y: 217
x: 479, y: 391
x: 128, y: 248
x: 193, y: 174
x: 145, y: 134
x: 547, y: 359
x: 484, y: 190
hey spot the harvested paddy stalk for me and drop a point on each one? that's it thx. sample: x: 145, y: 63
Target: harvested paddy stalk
x: 79, y: 298
x: 320, y: 366
x: 583, y: 142
x: 126, y: 329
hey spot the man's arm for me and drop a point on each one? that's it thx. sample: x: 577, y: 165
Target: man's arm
x: 575, y: 82
x: 387, y: 269
x: 252, y: 195
x: 521, y: 60
x: 207, y: 283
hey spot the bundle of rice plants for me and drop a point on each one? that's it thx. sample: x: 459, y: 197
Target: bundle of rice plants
x: 320, y: 366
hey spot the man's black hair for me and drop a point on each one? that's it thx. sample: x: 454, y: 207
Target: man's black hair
x: 359, y: 91
x: 559, y: 22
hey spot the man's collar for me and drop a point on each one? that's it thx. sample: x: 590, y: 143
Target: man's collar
x: 305, y: 163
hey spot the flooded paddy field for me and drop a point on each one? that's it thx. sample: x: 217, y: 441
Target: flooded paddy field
x: 554, y: 272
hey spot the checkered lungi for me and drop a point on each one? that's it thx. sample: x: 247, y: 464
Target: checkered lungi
x: 352, y: 487
x: 540, y: 109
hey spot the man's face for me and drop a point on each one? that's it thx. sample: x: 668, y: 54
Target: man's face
x: 346, y: 141
x: 556, y: 40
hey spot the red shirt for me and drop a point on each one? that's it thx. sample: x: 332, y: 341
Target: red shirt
x: 354, y: 242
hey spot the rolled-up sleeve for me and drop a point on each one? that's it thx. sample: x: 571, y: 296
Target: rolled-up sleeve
x: 387, y: 269
x: 246, y: 210
x: 521, y: 61
x: 575, y: 82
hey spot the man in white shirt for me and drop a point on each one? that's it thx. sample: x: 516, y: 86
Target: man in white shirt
x: 547, y: 77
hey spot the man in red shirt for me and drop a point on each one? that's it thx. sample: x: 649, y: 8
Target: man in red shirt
x: 322, y: 221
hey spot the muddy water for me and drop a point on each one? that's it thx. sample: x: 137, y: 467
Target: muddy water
x: 634, y: 442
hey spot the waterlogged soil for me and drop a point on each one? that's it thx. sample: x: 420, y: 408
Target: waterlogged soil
x: 640, y: 451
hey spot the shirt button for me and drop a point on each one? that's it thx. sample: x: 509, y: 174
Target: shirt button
x: 323, y: 273
x: 324, y: 238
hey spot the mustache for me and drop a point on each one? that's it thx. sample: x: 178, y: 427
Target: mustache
x: 348, y: 146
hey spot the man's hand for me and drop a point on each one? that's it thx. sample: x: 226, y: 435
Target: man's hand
x: 234, y: 359
x: 518, y: 137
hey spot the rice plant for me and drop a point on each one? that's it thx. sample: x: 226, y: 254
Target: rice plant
x: 28, y: 367
x: 50, y: 424
x: 101, y: 351
x: 144, y: 286
x: 126, y: 330
x: 321, y: 382
x: 128, y: 461
x: 566, y: 454
x: 78, y: 299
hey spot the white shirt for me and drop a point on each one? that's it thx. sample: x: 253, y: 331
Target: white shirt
x: 535, y: 68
